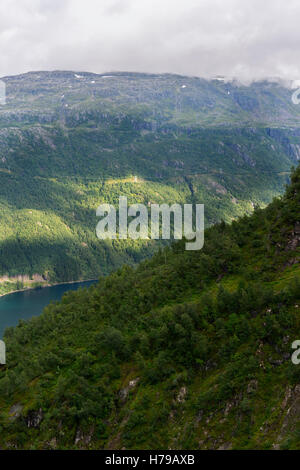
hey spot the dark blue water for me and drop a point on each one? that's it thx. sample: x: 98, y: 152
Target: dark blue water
x: 27, y: 304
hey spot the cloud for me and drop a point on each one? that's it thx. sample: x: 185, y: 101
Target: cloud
x: 193, y: 37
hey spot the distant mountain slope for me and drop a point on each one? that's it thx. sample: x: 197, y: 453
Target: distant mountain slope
x: 190, y: 350
x: 70, y: 141
x: 157, y: 99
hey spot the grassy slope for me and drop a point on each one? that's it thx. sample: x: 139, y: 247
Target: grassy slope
x: 189, y: 350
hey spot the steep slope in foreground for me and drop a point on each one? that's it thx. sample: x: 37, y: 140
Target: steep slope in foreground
x: 190, y: 350
x: 69, y: 142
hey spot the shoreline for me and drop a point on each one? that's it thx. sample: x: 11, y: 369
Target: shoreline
x: 47, y: 285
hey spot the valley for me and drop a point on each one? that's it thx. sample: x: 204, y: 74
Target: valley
x: 188, y: 350
x: 68, y: 144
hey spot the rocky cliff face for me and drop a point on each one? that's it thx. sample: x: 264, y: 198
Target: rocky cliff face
x: 50, y: 96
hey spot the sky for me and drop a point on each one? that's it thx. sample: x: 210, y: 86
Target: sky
x: 248, y: 39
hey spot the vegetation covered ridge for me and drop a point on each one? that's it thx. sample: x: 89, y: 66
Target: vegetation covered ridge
x: 190, y: 350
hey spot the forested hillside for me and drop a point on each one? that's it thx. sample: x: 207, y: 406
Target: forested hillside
x: 190, y: 350
x: 71, y: 141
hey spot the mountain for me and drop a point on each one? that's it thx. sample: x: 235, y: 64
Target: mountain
x: 70, y: 141
x: 189, y: 350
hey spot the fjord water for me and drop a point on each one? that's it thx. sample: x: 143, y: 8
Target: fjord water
x: 30, y: 303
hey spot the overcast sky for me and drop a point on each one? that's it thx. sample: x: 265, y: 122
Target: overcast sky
x: 243, y: 38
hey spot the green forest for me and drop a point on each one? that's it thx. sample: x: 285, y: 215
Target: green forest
x: 187, y: 350
x: 69, y: 145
